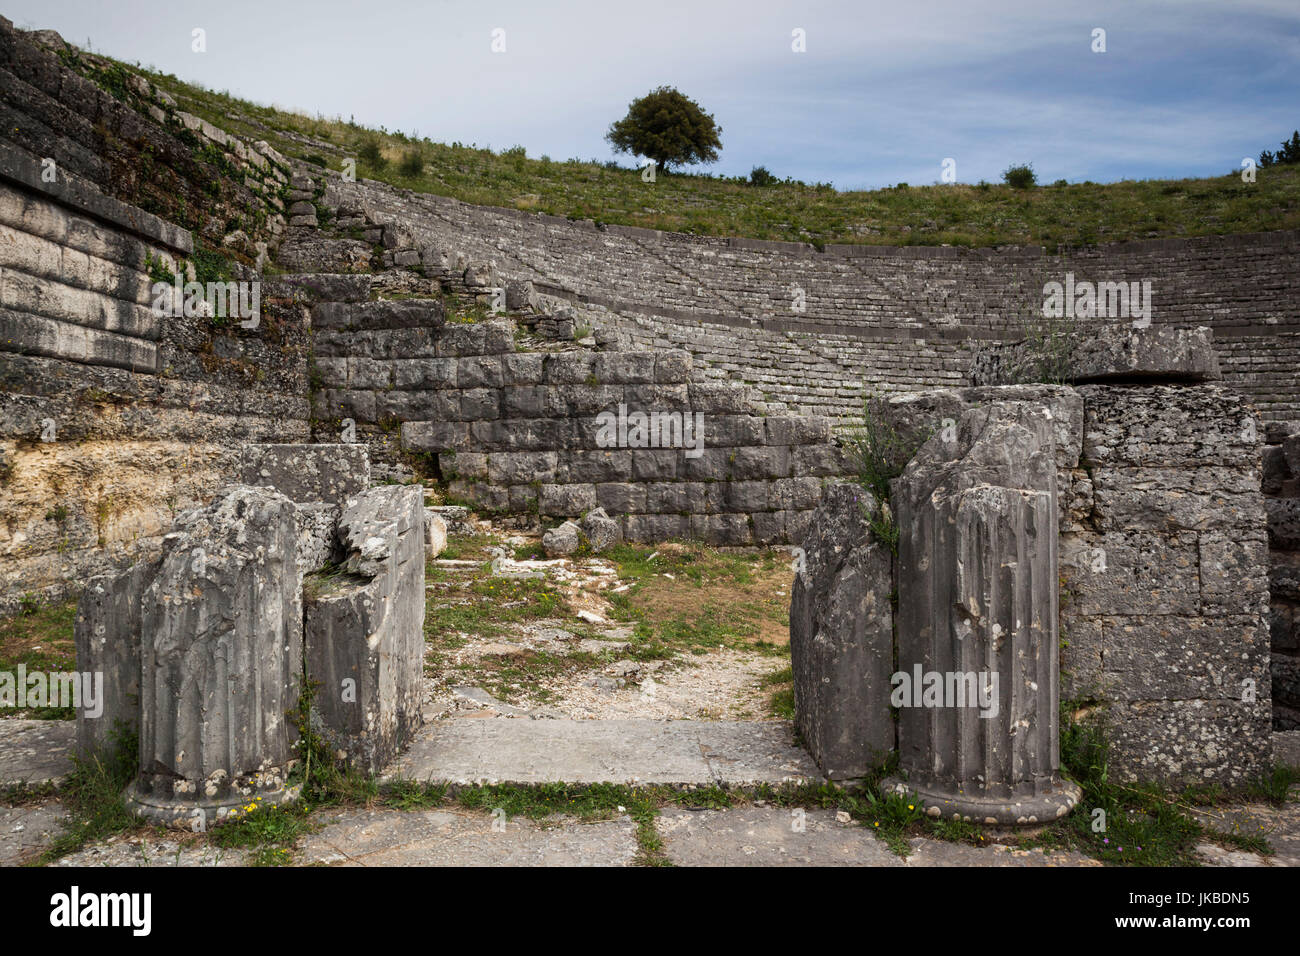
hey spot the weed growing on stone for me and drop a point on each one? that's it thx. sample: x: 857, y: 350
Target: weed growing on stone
x: 1144, y: 824
x: 879, y: 453
x: 270, y: 832
x: 781, y: 703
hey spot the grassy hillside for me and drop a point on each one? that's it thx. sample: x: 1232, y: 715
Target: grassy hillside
x: 979, y: 215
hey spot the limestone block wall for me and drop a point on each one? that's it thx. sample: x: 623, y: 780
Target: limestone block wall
x: 1282, y: 501
x: 114, y: 418
x: 1163, y: 569
x: 517, y: 431
x: 1164, y: 566
x: 125, y: 136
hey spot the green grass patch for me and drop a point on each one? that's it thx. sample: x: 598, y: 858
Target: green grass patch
x: 1067, y: 215
x: 780, y: 702
x: 40, y: 638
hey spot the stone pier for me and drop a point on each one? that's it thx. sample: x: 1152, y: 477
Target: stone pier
x: 220, y: 661
x: 977, y: 680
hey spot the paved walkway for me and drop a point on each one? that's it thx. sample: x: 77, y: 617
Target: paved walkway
x: 521, y: 750
x: 685, y: 752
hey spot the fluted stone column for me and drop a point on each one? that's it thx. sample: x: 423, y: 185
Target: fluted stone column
x: 221, y: 661
x: 976, y: 684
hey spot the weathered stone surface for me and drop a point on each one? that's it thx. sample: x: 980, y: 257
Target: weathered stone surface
x: 1283, y: 523
x: 1138, y: 572
x: 1170, y: 427
x: 308, y: 472
x: 107, y: 635
x: 562, y: 541
x: 365, y: 628
x: 27, y: 830
x: 567, y: 500
x: 323, y: 286
x: 1165, y: 599
x: 424, y: 838
x: 221, y: 663
x: 841, y: 636
x: 316, y: 522
x: 767, y: 836
x: 1106, y: 352
x: 1185, y: 741
x: 35, y: 752
x: 977, y: 610
x: 601, y: 531
x: 457, y: 518
x: 435, y: 533
x: 635, y: 751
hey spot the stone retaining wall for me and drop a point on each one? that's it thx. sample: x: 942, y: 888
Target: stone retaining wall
x: 112, y: 417
x: 520, y: 432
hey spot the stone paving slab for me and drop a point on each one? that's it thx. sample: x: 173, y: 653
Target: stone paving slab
x: 26, y: 831
x: 155, y: 851
x: 35, y: 751
x: 764, y: 836
x: 1279, y: 825
x: 926, y: 852
x: 450, y: 838
x: 679, y: 752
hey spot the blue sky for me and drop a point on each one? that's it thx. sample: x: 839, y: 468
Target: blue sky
x: 883, y: 94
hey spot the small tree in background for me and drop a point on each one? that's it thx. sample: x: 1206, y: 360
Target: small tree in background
x: 412, y: 163
x: 760, y: 176
x: 1020, y: 177
x: 1288, y: 152
x: 669, y: 128
x: 370, y: 153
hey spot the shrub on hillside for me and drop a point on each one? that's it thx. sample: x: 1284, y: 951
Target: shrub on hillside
x: 760, y: 176
x: 1020, y: 177
x: 412, y: 163
x: 370, y: 153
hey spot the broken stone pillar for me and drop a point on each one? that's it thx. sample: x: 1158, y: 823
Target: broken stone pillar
x: 107, y: 635
x: 220, y: 661
x: 977, y: 675
x: 841, y: 636
x: 365, y: 628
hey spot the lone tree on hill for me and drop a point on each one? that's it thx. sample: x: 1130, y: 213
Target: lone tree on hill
x: 667, y: 127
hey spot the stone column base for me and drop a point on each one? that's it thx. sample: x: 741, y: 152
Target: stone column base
x: 183, y: 813
x: 1029, y: 810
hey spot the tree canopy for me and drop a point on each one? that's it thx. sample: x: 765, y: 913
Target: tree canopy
x: 669, y: 128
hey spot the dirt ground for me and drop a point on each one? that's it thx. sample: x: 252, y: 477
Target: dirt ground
x: 669, y: 631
